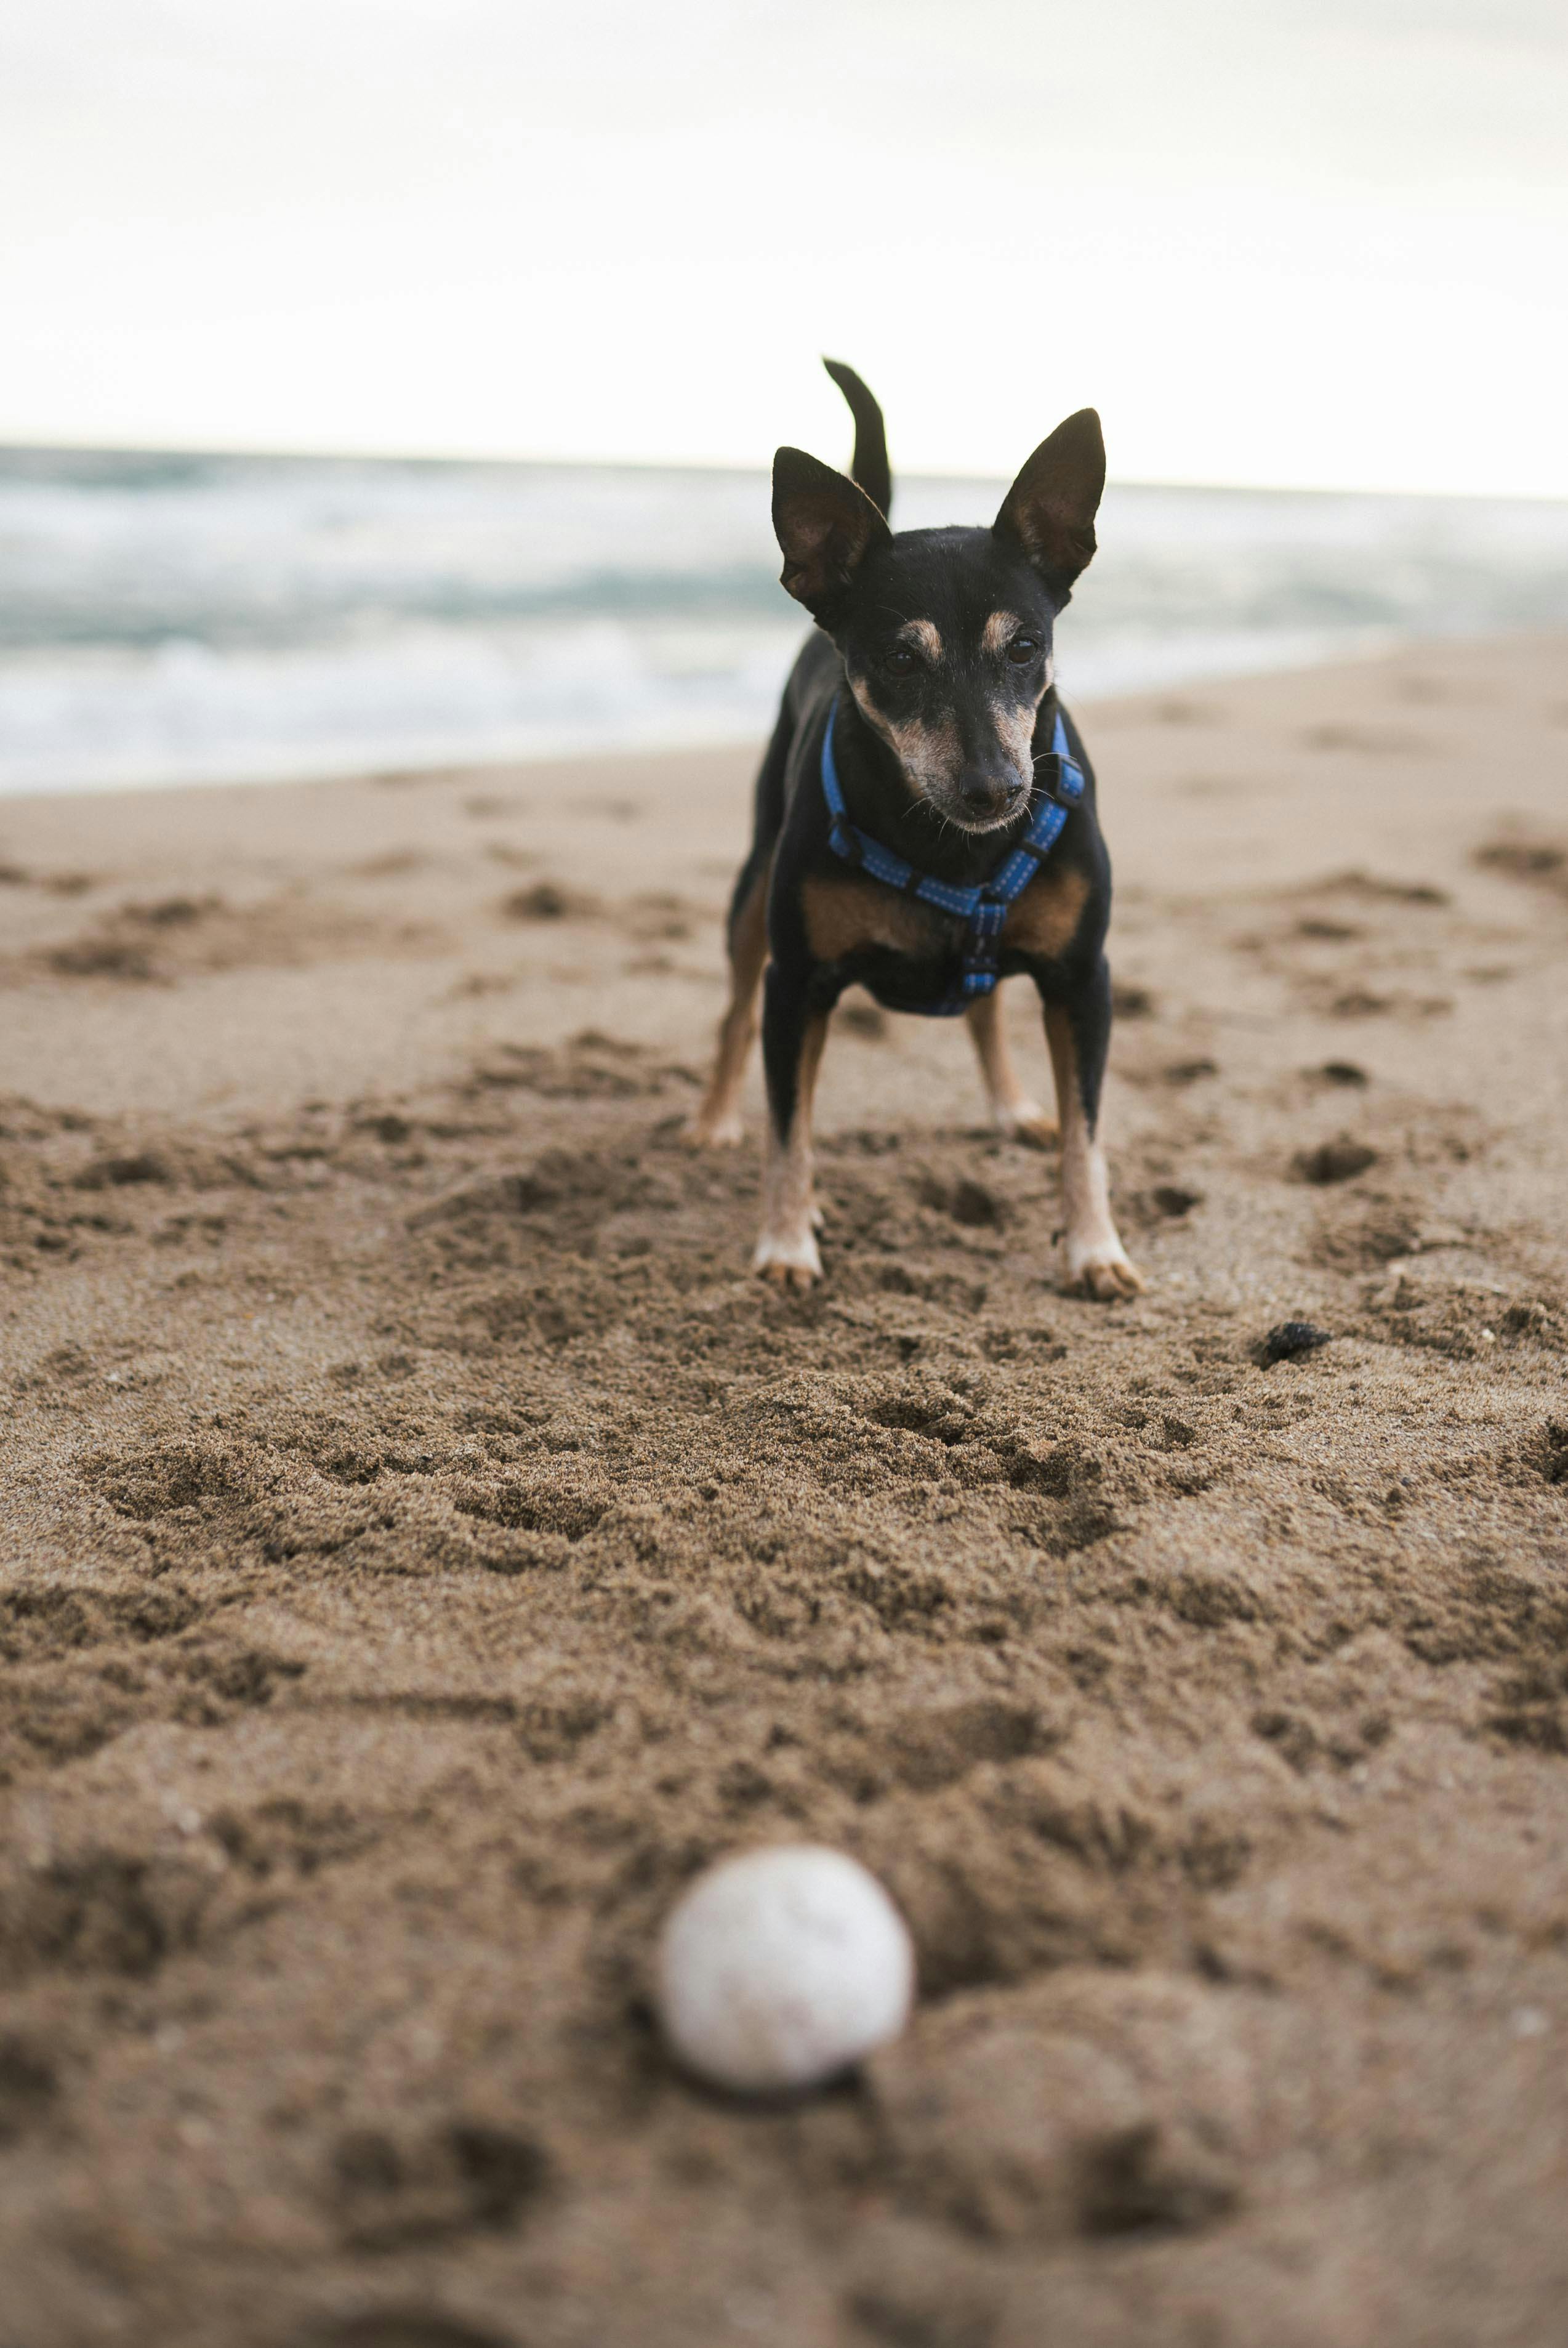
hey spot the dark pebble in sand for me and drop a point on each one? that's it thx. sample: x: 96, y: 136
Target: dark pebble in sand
x: 1131, y: 1003
x: 1171, y: 1199
x: 974, y: 1205
x: 1286, y: 1339
x: 1334, y: 1161
x: 543, y: 902
x: 106, y: 1173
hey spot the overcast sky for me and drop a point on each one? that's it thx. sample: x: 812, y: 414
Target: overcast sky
x: 1317, y: 241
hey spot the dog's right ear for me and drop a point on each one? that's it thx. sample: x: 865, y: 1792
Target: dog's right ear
x: 827, y: 528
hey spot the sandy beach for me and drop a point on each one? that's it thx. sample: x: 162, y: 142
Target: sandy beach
x: 425, y: 1545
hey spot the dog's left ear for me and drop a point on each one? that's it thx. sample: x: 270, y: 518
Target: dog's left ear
x: 827, y: 528
x: 1050, y: 509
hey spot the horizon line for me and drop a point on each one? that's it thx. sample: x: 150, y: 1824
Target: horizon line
x: 28, y: 446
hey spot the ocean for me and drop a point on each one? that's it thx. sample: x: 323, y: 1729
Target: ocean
x: 169, y: 618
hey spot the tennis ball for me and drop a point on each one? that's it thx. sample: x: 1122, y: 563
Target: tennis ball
x: 778, y: 1969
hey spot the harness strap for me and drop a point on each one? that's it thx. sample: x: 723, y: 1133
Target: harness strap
x: 1059, y: 781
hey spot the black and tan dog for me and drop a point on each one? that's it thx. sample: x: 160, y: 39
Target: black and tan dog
x: 926, y: 819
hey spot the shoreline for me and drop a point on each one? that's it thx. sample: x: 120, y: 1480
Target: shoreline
x: 1369, y: 647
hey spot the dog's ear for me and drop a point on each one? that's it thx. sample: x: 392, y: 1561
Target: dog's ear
x: 1050, y: 509
x: 826, y: 525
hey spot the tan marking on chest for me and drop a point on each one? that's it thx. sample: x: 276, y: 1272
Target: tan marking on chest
x: 1044, y: 920
x: 844, y: 917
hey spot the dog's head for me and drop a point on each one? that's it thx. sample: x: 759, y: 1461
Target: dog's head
x: 946, y: 633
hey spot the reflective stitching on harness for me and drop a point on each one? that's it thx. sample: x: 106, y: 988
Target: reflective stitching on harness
x: 984, y: 908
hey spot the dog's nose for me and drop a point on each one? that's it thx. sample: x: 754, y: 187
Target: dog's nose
x: 986, y: 795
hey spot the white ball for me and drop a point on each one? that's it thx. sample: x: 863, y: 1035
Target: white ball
x: 779, y: 1968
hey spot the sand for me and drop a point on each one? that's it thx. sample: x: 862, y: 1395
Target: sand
x: 425, y: 1547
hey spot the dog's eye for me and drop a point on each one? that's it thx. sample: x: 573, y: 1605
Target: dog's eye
x: 1022, y: 649
x: 900, y: 661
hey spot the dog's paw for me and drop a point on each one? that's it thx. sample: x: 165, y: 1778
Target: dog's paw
x: 1104, y: 1271
x: 720, y: 1131
x: 791, y: 1262
x: 1029, y: 1123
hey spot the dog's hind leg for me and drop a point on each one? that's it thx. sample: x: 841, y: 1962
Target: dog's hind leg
x: 717, y: 1123
x: 1012, y: 1109
x: 1079, y: 1033
x: 793, y: 1038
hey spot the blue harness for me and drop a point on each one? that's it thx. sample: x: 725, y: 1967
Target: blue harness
x: 1058, y: 777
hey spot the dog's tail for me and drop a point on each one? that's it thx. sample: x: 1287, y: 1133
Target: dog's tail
x: 869, y: 468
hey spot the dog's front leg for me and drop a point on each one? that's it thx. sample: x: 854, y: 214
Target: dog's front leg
x: 793, y: 1037
x: 1079, y: 1033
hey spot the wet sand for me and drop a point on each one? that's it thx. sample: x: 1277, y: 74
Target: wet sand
x: 425, y: 1545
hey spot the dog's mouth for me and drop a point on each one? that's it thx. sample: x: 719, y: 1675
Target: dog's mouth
x: 994, y: 814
